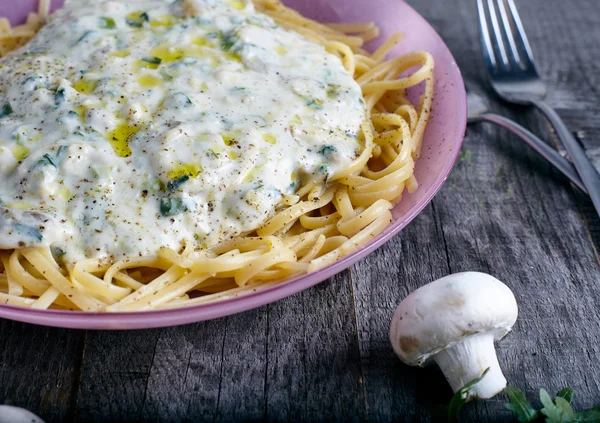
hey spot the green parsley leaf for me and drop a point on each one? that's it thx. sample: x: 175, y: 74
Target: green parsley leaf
x: 133, y: 23
x: 559, y: 411
x: 327, y: 150
x: 589, y: 416
x: 46, y: 160
x: 182, y: 98
x: 520, y: 405
x: 176, y: 183
x: 59, y: 97
x: 6, y: 110
x: 171, y: 206
x: 61, y: 151
x: 152, y: 60
x: 228, y: 41
x: 84, y: 37
x: 107, y: 23
x: 566, y: 393
x: 566, y: 408
x: 138, y: 22
x: 461, y: 397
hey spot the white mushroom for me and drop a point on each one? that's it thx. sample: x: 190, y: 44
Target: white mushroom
x: 454, y: 322
x: 11, y: 414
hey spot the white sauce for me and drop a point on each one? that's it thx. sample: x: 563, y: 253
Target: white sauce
x: 138, y: 125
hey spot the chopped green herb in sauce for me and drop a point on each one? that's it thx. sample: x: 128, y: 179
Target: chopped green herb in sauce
x: 6, y: 110
x: 172, y: 206
x: 137, y: 126
x: 107, y: 23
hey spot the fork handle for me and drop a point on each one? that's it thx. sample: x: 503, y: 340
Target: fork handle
x: 537, y: 144
x: 588, y: 173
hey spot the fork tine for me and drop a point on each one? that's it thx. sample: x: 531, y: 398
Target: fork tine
x: 486, y: 41
x: 521, y: 38
x: 498, y: 33
x: 509, y: 32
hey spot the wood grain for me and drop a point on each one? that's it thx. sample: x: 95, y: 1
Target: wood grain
x: 324, y: 354
x: 40, y: 368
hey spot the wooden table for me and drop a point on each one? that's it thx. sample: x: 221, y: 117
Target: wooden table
x: 324, y: 354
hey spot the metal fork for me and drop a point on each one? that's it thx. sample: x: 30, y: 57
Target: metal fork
x: 513, y: 75
x: 479, y: 112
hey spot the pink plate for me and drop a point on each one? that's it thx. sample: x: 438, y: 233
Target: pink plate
x: 442, y: 143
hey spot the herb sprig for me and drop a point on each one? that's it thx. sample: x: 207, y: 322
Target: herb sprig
x: 558, y: 410
x: 461, y: 397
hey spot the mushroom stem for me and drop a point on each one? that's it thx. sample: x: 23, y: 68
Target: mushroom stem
x: 467, y: 360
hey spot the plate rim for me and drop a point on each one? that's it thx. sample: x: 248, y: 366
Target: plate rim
x: 238, y: 304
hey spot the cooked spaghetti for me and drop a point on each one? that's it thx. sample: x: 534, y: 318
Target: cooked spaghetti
x: 287, y: 151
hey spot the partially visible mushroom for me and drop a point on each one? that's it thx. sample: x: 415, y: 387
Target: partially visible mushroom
x: 11, y: 414
x: 454, y: 322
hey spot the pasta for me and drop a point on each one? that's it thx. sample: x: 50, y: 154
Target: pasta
x: 310, y: 230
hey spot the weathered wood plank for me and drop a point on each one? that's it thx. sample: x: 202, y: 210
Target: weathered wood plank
x: 242, y: 389
x: 565, y: 37
x: 185, y: 374
x: 156, y: 375
x: 114, y: 375
x: 324, y: 354
x: 417, y: 255
x: 514, y: 237
x: 238, y: 368
x: 332, y: 363
x: 39, y: 368
x: 507, y: 212
x: 287, y: 378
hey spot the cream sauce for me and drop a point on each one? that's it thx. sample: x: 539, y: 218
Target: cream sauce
x: 135, y: 125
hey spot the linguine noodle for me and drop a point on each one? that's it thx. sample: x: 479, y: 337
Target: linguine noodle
x: 310, y: 230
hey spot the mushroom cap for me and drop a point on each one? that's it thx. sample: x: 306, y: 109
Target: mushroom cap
x: 11, y: 414
x: 449, y: 310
